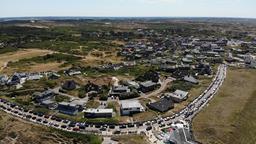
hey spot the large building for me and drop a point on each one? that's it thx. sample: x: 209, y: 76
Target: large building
x: 179, y: 133
x: 130, y: 107
x: 98, y: 113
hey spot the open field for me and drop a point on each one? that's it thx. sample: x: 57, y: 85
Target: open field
x: 51, y: 66
x: 21, y: 54
x: 230, y: 117
x: 14, y: 131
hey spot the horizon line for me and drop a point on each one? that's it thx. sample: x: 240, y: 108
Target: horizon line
x: 227, y: 17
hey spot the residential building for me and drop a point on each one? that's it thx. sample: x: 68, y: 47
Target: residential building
x: 120, y: 90
x: 72, y: 72
x: 98, y: 113
x: 3, y: 79
x: 191, y: 79
x: 163, y: 105
x: 148, y: 86
x: 69, y: 85
x: 34, y: 77
x: 178, y: 95
x: 68, y: 108
x: 43, y: 96
x: 130, y: 107
x: 179, y: 133
x: 250, y: 60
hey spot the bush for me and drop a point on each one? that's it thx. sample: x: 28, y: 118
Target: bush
x: 79, y: 138
x: 130, y: 95
x: 181, y: 85
x: 60, y: 98
x: 103, y: 97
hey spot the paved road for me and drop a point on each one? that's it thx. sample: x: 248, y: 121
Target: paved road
x: 188, y: 113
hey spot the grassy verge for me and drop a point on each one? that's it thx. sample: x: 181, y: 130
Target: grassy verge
x: 130, y: 139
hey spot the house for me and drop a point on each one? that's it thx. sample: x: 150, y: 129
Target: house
x: 98, y: 113
x: 68, y: 108
x: 91, y: 87
x: 186, y: 60
x: 119, y: 90
x: 163, y: 105
x: 43, y: 96
x: 178, y: 95
x: 203, y: 69
x: 129, y: 107
x: 80, y: 104
x: 179, y: 133
x: 34, y: 77
x: 50, y: 104
x: 148, y: 86
x: 14, y: 80
x: 3, y: 79
x: 69, y: 85
x: 133, y: 84
x: 250, y: 60
x: 53, y: 76
x: 191, y: 79
x: 72, y: 72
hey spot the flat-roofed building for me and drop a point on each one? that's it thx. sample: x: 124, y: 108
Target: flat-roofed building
x: 178, y: 95
x: 120, y: 90
x: 98, y: 113
x: 68, y: 108
x: 130, y: 107
x: 148, y: 86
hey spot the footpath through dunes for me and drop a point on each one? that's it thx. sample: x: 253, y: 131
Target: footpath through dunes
x: 20, y: 54
x: 230, y: 116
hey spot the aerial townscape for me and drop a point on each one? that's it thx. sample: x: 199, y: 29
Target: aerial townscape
x: 127, y: 80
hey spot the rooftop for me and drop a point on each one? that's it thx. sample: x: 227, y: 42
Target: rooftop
x: 130, y: 104
x: 91, y: 110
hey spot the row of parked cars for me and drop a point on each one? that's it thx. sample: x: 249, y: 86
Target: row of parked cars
x: 57, y: 122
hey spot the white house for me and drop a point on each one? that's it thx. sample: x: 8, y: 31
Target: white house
x: 130, y: 107
x: 178, y: 95
x: 98, y: 113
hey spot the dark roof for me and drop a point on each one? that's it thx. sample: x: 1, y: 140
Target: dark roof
x: 91, y: 87
x: 162, y: 105
x: 69, y: 85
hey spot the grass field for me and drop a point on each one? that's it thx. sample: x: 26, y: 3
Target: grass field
x: 21, y: 54
x: 230, y: 117
x: 14, y: 131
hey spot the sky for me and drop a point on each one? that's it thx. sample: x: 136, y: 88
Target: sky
x: 129, y: 8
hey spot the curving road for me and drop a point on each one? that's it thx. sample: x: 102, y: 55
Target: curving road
x: 188, y: 113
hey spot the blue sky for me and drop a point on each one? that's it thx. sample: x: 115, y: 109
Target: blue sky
x: 137, y: 8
